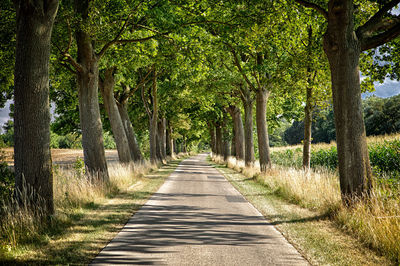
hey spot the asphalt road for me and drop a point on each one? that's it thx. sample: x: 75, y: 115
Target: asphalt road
x: 198, y: 218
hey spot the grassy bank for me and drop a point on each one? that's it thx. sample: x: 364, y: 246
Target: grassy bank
x: 86, y: 218
x: 308, y: 210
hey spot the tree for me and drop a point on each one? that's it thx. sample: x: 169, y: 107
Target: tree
x: 93, y: 39
x: 33, y: 167
x: 343, y: 42
x: 106, y: 85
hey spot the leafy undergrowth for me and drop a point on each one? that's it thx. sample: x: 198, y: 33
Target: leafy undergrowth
x: 87, y: 217
x: 308, y: 211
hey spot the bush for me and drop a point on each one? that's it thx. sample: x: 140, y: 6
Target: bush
x: 69, y: 141
x: 109, y: 142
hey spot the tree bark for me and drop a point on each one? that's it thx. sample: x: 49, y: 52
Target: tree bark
x: 136, y: 154
x: 248, y: 130
x: 308, y: 109
x: 170, y: 141
x: 89, y: 111
x: 218, y: 139
x: 153, y: 122
x: 239, y: 132
x: 307, y: 130
x: 225, y: 138
x: 158, y: 146
x: 175, y: 146
x: 118, y: 129
x: 233, y: 142
x: 211, y: 130
x: 161, y: 135
x: 32, y: 161
x: 262, y: 129
x: 342, y: 48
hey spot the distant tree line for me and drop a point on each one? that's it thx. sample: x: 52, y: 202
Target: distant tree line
x: 381, y: 116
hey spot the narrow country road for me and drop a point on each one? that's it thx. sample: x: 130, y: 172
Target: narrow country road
x: 198, y: 218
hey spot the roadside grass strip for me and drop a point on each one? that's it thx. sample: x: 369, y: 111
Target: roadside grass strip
x: 80, y: 231
x: 316, y: 237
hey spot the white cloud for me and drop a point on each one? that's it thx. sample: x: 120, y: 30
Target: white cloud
x: 387, y: 89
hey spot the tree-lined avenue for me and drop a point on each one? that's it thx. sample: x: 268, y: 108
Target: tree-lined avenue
x: 198, y: 218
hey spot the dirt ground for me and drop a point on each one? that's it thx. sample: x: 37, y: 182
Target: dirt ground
x: 61, y: 156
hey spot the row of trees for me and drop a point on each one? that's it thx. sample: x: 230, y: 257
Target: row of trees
x: 189, y: 65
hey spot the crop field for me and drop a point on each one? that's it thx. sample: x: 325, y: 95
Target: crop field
x: 384, y: 153
x: 60, y: 156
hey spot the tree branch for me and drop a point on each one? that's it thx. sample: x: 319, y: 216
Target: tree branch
x: 129, y: 92
x: 379, y: 39
x: 376, y: 19
x: 316, y: 7
x: 69, y: 38
x: 68, y: 67
x: 110, y: 43
x: 69, y: 59
x: 142, y: 81
x: 237, y: 63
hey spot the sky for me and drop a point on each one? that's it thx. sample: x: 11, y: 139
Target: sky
x: 4, y: 113
x: 387, y: 89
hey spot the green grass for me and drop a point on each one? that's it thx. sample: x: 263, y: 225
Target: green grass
x: 77, y: 235
x: 317, y: 237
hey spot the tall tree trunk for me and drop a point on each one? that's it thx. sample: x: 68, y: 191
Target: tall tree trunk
x: 262, y: 129
x: 239, y: 132
x: 158, y: 146
x: 218, y: 139
x: 211, y: 130
x: 233, y: 142
x: 164, y: 138
x: 170, y: 141
x: 248, y: 130
x: 175, y: 146
x: 343, y: 50
x: 89, y: 111
x: 307, y: 130
x: 33, y: 166
x: 225, y: 138
x: 136, y: 154
x: 161, y: 135
x: 153, y: 122
x: 121, y: 140
x: 308, y: 109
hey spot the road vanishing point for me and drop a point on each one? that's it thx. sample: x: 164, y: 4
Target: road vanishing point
x: 198, y: 218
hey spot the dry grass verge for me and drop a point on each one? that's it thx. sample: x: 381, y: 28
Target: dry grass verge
x: 375, y: 222
x: 87, y: 216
